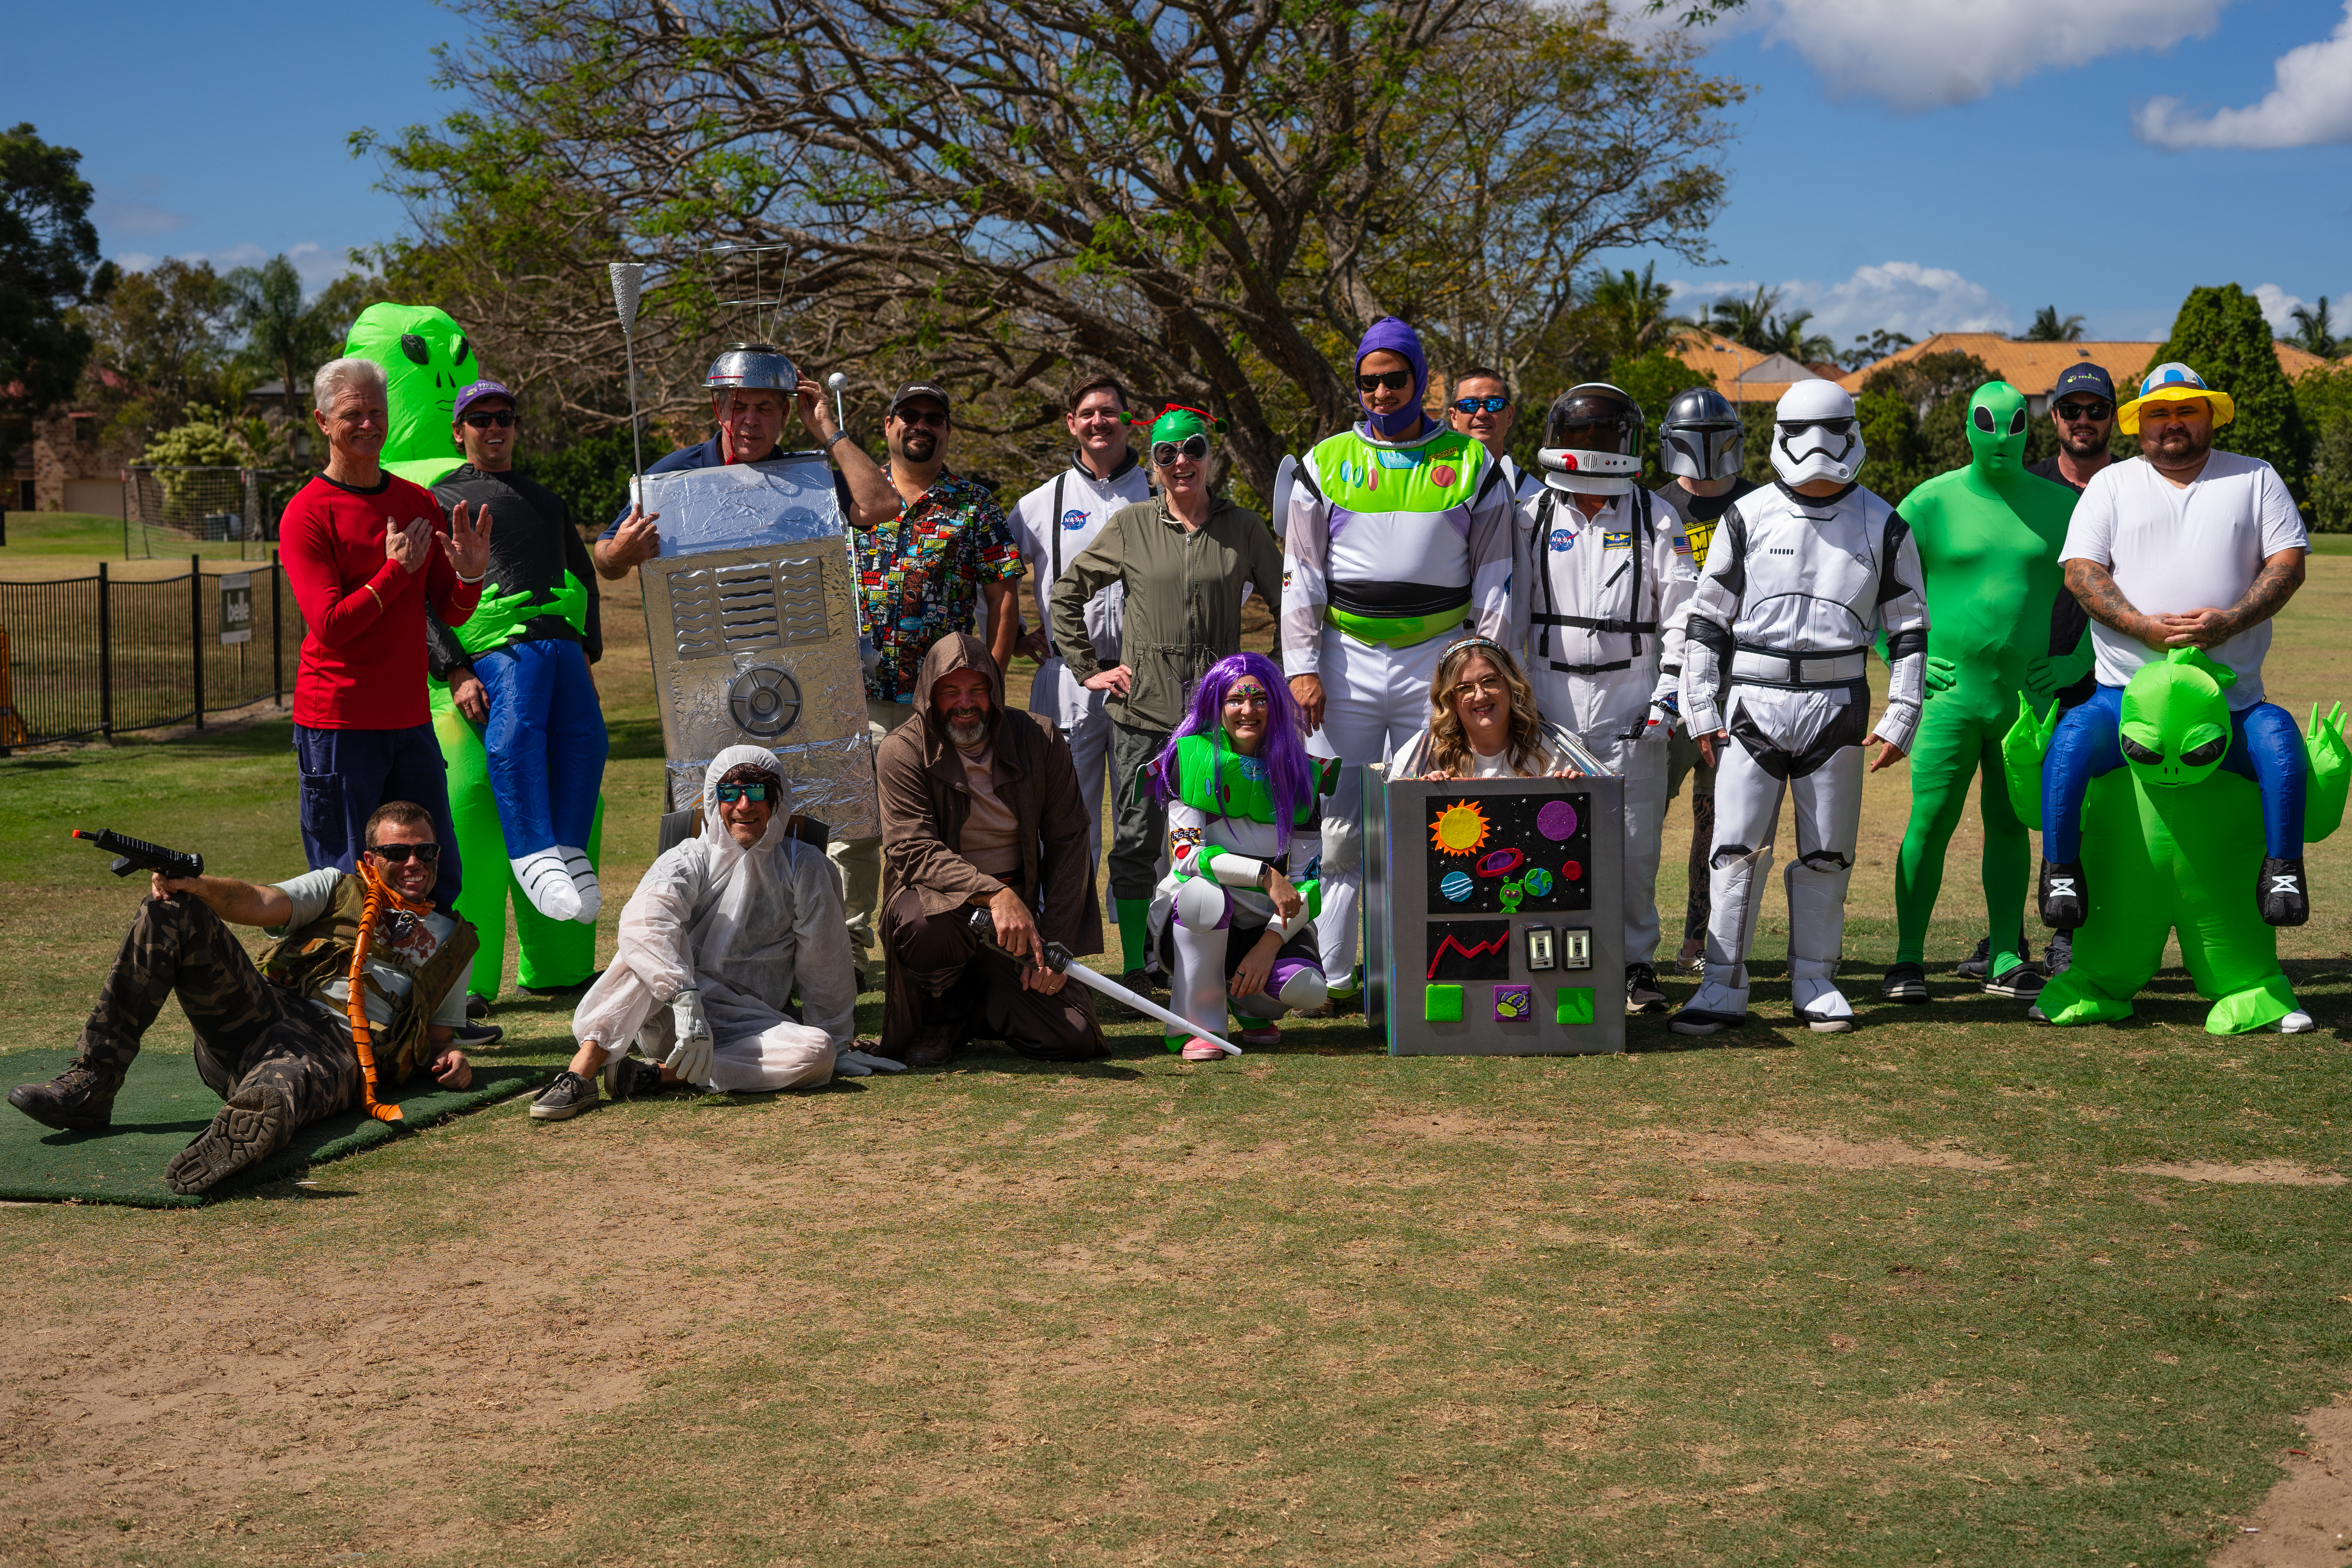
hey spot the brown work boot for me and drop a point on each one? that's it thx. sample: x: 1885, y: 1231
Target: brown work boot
x: 79, y: 1099
x: 935, y: 1045
x: 254, y: 1124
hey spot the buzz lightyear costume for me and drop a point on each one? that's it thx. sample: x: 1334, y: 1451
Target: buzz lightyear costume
x: 1600, y: 600
x: 1399, y: 530
x: 1795, y: 591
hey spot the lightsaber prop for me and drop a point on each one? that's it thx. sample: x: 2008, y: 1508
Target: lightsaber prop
x: 628, y: 282
x: 1058, y: 960
x: 836, y: 381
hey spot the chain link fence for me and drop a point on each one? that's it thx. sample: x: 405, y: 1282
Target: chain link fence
x: 164, y: 509
x: 97, y: 656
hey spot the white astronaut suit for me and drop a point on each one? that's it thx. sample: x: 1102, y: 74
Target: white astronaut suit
x: 1795, y: 592
x: 1601, y: 601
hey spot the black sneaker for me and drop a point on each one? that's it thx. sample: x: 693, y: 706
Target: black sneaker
x: 473, y: 1037
x: 567, y: 1097
x: 1973, y: 966
x: 2020, y: 980
x: 627, y: 1077
x: 2059, y: 956
x: 2285, y: 895
x: 79, y: 1099
x: 478, y: 1007
x: 2066, y: 897
x: 1641, y: 993
x: 1905, y: 982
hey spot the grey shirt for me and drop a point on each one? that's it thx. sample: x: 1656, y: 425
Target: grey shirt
x: 403, y: 944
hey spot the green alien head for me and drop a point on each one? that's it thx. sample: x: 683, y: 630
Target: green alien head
x: 2175, y: 723
x: 425, y: 359
x: 1997, y: 421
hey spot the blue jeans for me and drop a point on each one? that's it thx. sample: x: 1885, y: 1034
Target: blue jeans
x: 2265, y: 746
x: 347, y: 774
x: 546, y: 742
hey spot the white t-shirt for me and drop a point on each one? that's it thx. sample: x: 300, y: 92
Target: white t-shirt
x: 2174, y: 550
x: 1086, y: 505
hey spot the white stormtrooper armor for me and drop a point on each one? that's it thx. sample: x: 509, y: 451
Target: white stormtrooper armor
x: 1795, y: 592
x: 1599, y: 601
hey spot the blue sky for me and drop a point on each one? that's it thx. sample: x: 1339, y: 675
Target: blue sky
x: 1911, y: 163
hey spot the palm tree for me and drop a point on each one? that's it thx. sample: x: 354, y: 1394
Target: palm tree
x: 2050, y: 328
x: 1757, y: 323
x: 2314, y: 331
x: 266, y: 303
x: 1636, y: 313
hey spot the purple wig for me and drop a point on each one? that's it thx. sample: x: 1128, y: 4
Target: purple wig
x: 1290, y: 772
x: 1394, y: 335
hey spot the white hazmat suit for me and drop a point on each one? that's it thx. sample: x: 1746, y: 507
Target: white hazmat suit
x: 741, y: 927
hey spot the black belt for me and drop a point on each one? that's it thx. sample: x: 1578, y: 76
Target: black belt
x: 1586, y: 623
x: 1592, y: 669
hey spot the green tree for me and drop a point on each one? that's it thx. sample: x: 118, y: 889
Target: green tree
x: 266, y: 303
x: 2326, y: 398
x: 2220, y: 334
x: 1914, y: 418
x: 1759, y: 323
x: 2314, y: 332
x: 49, y: 265
x: 1871, y: 347
x: 1652, y: 379
x: 208, y: 439
x: 1632, y: 314
x: 2050, y: 328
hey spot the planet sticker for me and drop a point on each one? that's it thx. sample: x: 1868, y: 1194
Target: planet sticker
x: 1556, y: 821
x: 1456, y: 886
x: 1500, y: 862
x: 1443, y: 477
x: 1572, y: 872
x: 1459, y: 828
x: 1538, y: 882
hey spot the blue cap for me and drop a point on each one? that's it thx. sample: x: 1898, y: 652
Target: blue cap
x: 2085, y: 377
x: 475, y: 394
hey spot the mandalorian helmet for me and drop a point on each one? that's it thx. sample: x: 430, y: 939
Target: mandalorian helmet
x: 1701, y: 437
x: 1815, y: 435
x: 1592, y: 441
x: 756, y: 366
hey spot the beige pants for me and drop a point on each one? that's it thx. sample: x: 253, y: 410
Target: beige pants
x: 859, y: 862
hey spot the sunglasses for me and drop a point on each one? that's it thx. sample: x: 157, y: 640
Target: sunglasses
x: 1394, y: 380
x: 1195, y: 446
x: 398, y: 854
x: 743, y: 792
x: 502, y: 419
x: 1830, y: 426
x: 927, y: 419
x: 2076, y: 413
x: 1481, y: 405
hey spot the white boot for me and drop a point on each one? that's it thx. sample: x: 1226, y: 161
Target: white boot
x: 1721, y: 1000
x: 584, y: 882
x: 548, y: 885
x: 1816, y: 936
x: 2296, y: 1023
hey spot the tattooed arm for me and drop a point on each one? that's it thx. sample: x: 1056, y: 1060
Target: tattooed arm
x: 2281, y: 575
x: 2094, y: 587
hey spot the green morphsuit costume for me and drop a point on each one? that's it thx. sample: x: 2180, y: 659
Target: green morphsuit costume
x: 425, y: 358
x: 1989, y: 538
x: 2169, y: 842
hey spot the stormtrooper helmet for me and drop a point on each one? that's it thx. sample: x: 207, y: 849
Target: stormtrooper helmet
x: 1815, y: 435
x: 754, y: 366
x: 1701, y: 437
x: 1592, y: 441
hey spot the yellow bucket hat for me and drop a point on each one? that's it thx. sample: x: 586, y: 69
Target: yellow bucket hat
x: 2173, y: 382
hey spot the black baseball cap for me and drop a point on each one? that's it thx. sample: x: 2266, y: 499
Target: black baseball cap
x: 933, y: 391
x: 2090, y: 378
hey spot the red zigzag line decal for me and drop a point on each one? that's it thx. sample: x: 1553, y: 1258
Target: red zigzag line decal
x: 1495, y: 945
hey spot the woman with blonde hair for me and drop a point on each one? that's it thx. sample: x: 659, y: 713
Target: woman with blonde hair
x: 1482, y: 724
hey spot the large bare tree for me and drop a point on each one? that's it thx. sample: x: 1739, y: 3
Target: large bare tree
x: 1210, y: 197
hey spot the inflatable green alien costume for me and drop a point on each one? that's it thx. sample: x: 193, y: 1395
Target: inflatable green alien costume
x: 1989, y: 538
x: 426, y: 358
x: 2169, y: 842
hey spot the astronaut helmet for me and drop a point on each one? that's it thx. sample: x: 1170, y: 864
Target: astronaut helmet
x: 754, y: 367
x: 1701, y: 437
x: 1815, y: 435
x: 1592, y: 441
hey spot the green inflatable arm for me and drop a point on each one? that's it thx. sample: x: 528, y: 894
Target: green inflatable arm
x: 2021, y: 750
x: 2331, y: 774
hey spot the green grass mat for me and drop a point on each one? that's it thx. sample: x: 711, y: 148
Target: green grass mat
x: 163, y: 1105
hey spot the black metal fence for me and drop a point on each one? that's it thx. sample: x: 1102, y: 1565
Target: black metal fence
x: 99, y: 655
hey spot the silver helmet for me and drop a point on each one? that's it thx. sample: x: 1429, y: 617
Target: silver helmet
x: 1701, y: 437
x: 758, y: 366
x: 1592, y: 441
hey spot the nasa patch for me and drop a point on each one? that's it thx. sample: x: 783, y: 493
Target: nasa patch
x: 1562, y: 541
x: 1073, y: 520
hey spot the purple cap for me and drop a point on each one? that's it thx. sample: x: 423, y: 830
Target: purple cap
x: 475, y: 394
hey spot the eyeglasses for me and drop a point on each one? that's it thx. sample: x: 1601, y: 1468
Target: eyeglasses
x: 502, y: 418
x: 1829, y: 426
x: 398, y: 854
x: 1481, y: 405
x: 924, y: 417
x: 743, y: 792
x: 1394, y: 380
x: 2076, y: 413
x: 1485, y: 686
x: 1195, y: 446
x: 1245, y: 696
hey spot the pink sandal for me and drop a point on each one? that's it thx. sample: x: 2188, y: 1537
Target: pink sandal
x: 1197, y: 1049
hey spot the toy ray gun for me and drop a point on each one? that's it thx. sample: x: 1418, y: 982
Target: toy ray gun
x: 138, y: 855
x: 1057, y: 959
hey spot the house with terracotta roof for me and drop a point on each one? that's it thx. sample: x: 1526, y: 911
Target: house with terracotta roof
x: 2033, y: 368
x: 1740, y: 372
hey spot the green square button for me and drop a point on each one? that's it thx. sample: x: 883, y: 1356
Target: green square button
x: 1443, y: 1004
x: 1575, y: 1005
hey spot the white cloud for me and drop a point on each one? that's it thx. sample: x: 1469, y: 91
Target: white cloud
x: 2278, y: 305
x: 118, y: 215
x: 313, y: 263
x: 1916, y: 55
x: 2310, y: 107
x: 1898, y: 296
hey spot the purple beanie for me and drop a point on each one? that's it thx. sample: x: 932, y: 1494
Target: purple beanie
x: 1394, y: 335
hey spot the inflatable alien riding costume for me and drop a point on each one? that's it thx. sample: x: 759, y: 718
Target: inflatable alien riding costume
x: 2169, y: 841
x: 1989, y: 537
x: 425, y: 359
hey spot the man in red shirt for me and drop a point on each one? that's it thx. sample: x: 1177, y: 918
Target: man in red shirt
x: 364, y: 552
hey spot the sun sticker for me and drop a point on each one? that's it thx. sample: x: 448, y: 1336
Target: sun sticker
x: 1459, y: 830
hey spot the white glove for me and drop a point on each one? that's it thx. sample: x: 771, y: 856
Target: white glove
x: 690, y: 1057
x: 854, y: 1063
x: 1662, y: 718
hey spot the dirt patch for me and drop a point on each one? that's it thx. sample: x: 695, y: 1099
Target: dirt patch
x: 2306, y: 1519
x: 2262, y: 1172
x: 1778, y: 1146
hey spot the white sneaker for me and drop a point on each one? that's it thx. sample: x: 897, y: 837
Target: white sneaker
x: 1821, y: 1005
x: 548, y: 885
x: 2296, y: 1023
x: 584, y: 882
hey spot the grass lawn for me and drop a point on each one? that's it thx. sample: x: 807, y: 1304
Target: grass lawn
x: 46, y: 544
x: 1946, y: 1290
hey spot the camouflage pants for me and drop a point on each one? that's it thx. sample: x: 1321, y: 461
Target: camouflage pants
x: 247, y: 1030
